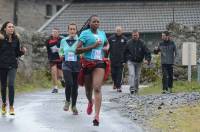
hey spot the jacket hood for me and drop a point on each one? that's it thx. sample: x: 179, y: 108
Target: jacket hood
x: 1, y: 36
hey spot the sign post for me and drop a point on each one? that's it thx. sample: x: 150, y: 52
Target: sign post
x: 189, y: 56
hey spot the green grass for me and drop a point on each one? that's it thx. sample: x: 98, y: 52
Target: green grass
x: 38, y: 80
x: 176, y: 122
x: 179, y: 86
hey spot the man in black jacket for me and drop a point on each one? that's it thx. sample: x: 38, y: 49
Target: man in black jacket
x: 117, y: 45
x: 134, y: 54
x: 168, y: 53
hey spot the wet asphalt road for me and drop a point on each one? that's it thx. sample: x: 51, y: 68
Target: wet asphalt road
x: 42, y: 112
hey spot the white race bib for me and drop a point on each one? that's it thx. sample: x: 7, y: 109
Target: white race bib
x: 96, y: 54
x: 71, y: 56
x: 54, y: 49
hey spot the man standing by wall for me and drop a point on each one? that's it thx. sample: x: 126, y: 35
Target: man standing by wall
x: 117, y: 44
x: 168, y: 53
x: 134, y: 54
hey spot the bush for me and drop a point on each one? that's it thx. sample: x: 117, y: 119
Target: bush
x: 151, y: 73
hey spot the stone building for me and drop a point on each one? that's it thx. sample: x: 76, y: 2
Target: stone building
x: 31, y: 14
x: 149, y: 17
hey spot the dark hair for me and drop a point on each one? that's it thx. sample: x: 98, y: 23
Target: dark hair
x: 166, y: 33
x: 135, y: 30
x: 2, y: 31
x: 56, y: 29
x: 86, y: 24
x: 73, y: 25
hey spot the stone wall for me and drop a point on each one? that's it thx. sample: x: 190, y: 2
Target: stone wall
x: 6, y: 10
x: 36, y: 56
x: 181, y: 33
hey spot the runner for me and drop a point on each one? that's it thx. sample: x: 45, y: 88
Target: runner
x: 92, y: 42
x: 9, y: 52
x: 70, y: 66
x: 53, y: 44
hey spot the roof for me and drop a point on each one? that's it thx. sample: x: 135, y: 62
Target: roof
x: 151, y: 16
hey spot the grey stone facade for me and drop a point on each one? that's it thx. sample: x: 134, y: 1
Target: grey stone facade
x: 31, y: 13
x: 181, y: 33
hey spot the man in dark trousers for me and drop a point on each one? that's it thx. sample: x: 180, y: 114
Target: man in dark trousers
x: 167, y: 48
x: 117, y: 44
x: 134, y: 54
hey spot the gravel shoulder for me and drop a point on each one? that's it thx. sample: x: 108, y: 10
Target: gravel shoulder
x: 158, y: 113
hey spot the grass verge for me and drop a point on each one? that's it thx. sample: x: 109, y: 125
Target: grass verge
x: 38, y: 80
x: 179, y: 86
x: 183, y: 119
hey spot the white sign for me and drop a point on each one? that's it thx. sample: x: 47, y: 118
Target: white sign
x: 189, y: 53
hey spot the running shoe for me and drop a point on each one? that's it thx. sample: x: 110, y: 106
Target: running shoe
x: 3, y: 109
x: 12, y: 112
x: 55, y: 90
x: 96, y: 121
x: 89, y: 108
x: 114, y: 87
x: 66, y: 106
x: 74, y: 110
x: 119, y: 90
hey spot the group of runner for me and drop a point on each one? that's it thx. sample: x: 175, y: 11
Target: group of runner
x: 82, y: 59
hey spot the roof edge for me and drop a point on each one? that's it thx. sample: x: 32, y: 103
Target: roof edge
x: 53, y: 17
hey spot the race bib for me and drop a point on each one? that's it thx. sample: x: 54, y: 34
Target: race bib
x: 71, y: 56
x: 54, y: 49
x: 96, y: 54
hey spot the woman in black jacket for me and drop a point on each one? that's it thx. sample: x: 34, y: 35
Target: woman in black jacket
x: 10, y: 51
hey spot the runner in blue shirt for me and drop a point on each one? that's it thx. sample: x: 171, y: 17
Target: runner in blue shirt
x: 93, y: 43
x: 70, y: 67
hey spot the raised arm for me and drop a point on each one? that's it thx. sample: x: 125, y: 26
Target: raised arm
x: 80, y: 49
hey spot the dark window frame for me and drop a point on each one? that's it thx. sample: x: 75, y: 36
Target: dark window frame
x: 58, y: 7
x: 49, y: 10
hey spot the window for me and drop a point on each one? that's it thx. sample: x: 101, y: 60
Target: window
x: 58, y: 7
x: 49, y: 10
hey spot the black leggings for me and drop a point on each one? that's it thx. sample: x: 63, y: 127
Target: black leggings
x: 8, y: 75
x: 71, y: 88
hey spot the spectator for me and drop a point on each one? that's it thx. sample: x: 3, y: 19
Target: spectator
x: 167, y: 48
x: 134, y: 54
x: 117, y: 44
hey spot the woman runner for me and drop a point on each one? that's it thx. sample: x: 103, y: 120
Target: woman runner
x: 70, y: 66
x: 93, y: 43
